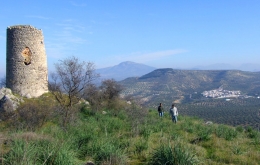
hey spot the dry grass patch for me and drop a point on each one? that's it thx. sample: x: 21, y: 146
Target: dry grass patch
x: 30, y: 136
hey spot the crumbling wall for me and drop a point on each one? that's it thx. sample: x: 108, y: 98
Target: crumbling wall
x: 26, y: 61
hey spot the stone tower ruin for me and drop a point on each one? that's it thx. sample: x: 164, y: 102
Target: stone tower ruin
x: 26, y: 61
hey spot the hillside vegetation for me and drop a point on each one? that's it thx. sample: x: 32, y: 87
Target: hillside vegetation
x: 35, y: 135
x: 236, y: 112
x: 169, y: 85
x: 185, y: 87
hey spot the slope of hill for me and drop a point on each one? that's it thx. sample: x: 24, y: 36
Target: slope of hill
x: 131, y: 136
x: 169, y: 85
x: 124, y: 70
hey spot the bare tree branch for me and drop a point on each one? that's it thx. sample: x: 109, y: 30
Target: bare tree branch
x: 71, y: 78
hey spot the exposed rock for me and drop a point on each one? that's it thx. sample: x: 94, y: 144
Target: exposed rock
x: 8, y: 101
x: 89, y: 163
x: 83, y: 101
x: 128, y: 102
x: 208, y: 122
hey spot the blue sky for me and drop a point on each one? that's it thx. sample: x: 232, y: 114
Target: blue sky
x: 162, y: 34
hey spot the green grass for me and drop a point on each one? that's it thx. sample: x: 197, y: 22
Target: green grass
x: 115, y: 139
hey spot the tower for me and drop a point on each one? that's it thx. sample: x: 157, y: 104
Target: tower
x: 26, y: 61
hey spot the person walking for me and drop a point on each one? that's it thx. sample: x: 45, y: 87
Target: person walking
x: 160, y: 110
x: 174, y: 113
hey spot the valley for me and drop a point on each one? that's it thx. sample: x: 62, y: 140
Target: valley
x: 222, y: 96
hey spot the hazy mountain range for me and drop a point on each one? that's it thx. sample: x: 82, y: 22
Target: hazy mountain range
x: 131, y: 69
x: 124, y: 70
x: 149, y: 84
x: 170, y: 85
x: 224, y: 66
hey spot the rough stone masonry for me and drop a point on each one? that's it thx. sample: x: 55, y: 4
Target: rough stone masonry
x: 26, y: 61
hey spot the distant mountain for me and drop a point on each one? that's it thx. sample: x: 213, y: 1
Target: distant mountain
x: 168, y: 85
x: 224, y: 66
x: 250, y: 67
x: 217, y: 66
x: 124, y: 70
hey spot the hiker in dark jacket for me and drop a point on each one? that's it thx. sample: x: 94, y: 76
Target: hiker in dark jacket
x: 160, y: 110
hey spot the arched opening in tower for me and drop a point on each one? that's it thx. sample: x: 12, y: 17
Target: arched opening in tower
x: 27, y: 56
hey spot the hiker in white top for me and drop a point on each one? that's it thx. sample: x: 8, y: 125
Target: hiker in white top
x: 174, y: 113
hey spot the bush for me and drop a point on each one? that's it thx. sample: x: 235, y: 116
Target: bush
x: 104, y: 151
x: 32, y: 114
x: 167, y: 155
x: 38, y: 152
x: 239, y: 129
x: 136, y: 117
x: 140, y: 146
x: 226, y: 132
x: 205, y: 133
x: 253, y: 134
x: 188, y: 126
x: 145, y: 132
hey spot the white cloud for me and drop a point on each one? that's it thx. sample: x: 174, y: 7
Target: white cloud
x: 37, y: 16
x: 69, y: 33
x: 68, y: 37
x: 153, y: 56
x: 71, y: 25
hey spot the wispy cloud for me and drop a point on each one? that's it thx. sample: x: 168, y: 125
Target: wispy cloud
x: 68, y: 38
x: 69, y: 25
x: 152, y: 56
x: 37, y: 16
x: 71, y: 33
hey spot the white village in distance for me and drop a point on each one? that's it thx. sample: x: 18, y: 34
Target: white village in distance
x: 221, y: 93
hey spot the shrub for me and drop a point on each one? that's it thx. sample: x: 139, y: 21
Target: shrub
x: 38, y: 152
x: 188, y: 126
x: 167, y: 155
x: 32, y: 114
x: 226, y: 132
x: 239, y: 129
x: 136, y: 117
x: 140, y: 146
x: 253, y: 134
x: 249, y: 129
x: 103, y: 151
x: 237, y: 150
x: 205, y: 133
x: 145, y: 132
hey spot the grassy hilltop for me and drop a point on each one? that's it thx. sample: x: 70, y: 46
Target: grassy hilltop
x: 124, y: 135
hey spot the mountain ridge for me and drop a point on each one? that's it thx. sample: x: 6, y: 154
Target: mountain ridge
x: 124, y: 70
x: 171, y: 84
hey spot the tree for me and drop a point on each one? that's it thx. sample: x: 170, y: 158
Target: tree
x: 69, y: 82
x: 106, y: 95
x: 110, y: 91
x: 94, y: 96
